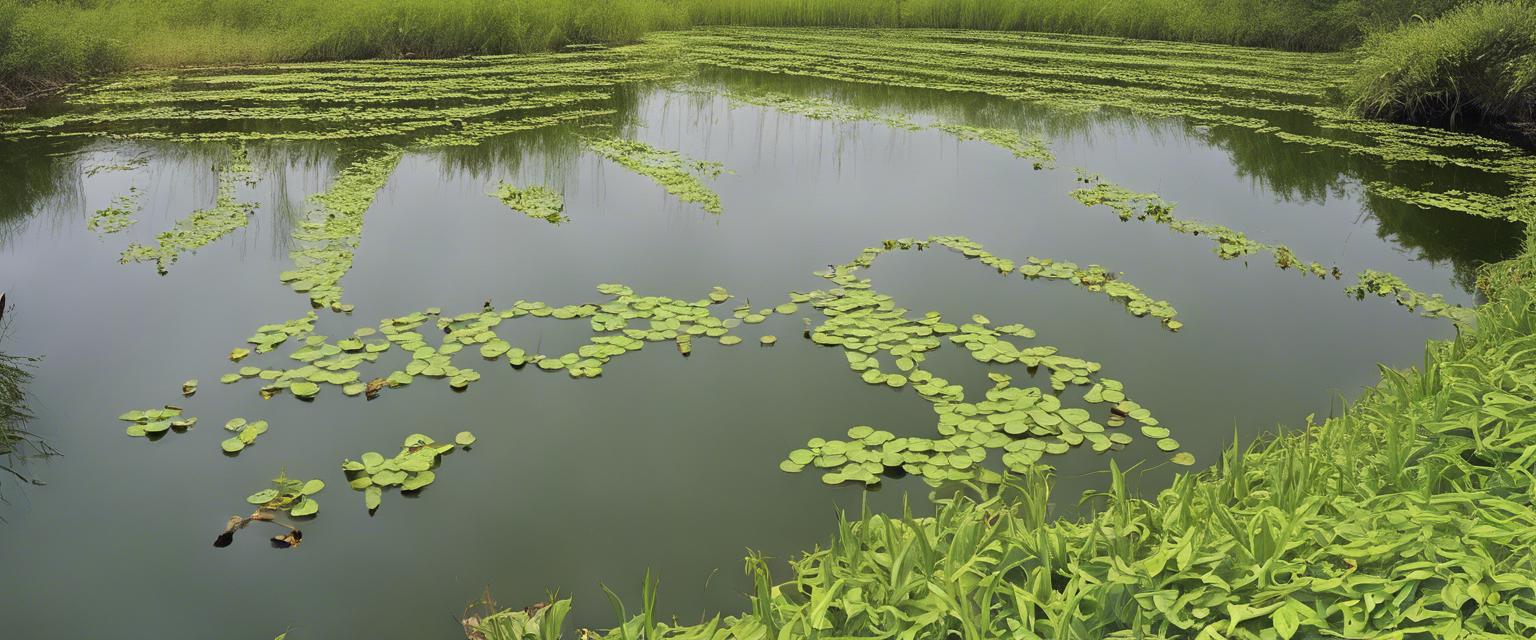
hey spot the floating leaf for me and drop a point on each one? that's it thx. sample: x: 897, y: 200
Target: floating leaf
x: 464, y: 438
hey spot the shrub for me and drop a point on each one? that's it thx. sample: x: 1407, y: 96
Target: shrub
x: 1477, y: 63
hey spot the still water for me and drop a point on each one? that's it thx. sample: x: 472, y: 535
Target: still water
x: 663, y: 462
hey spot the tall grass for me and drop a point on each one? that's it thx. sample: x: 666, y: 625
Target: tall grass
x: 44, y: 43
x: 1286, y: 24
x: 1412, y: 514
x: 1475, y: 63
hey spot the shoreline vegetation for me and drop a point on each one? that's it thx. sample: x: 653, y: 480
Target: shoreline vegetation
x: 1409, y: 66
x: 1410, y: 514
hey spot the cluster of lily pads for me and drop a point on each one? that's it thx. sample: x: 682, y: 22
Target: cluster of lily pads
x: 538, y: 202
x: 409, y: 470
x: 203, y: 226
x: 333, y: 226
x: 245, y: 433
x: 152, y: 422
x: 288, y: 494
x: 117, y: 216
x: 1023, y: 422
x: 1381, y: 284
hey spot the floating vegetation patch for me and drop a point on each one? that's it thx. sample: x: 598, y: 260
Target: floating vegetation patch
x: 131, y: 164
x: 410, y: 102
x: 290, y: 495
x: 1232, y: 244
x: 155, y: 422
x: 286, y: 495
x: 245, y: 434
x: 538, y: 202
x: 1027, y: 146
x: 865, y: 323
x: 1024, y: 423
x: 1379, y: 284
x: 203, y: 226
x: 409, y: 470
x: 1518, y: 206
x: 333, y: 227
x: 269, y: 336
x: 118, y: 215
x: 678, y: 175
x: 1206, y: 85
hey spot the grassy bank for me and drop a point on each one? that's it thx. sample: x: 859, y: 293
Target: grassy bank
x: 1476, y: 63
x: 46, y: 43
x: 1413, y: 514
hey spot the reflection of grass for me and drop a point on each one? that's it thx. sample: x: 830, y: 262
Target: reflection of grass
x: 16, y: 443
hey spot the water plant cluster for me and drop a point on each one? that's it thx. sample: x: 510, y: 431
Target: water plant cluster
x: 1231, y: 244
x: 1302, y: 533
x: 409, y: 470
x: 203, y: 226
x: 538, y: 202
x: 1408, y: 515
x: 677, y: 174
x: 1031, y: 147
x: 117, y: 216
x: 333, y: 226
x: 1284, y: 95
x: 1023, y: 422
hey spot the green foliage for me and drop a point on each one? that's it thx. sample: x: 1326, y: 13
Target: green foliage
x: 1409, y: 515
x: 1475, y: 63
x: 1287, y: 24
x: 45, y: 43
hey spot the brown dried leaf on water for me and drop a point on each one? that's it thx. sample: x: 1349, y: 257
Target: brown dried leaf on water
x: 288, y: 540
x: 374, y: 387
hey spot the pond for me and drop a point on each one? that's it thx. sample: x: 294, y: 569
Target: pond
x: 152, y: 223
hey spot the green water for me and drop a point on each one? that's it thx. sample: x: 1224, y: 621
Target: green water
x: 663, y: 462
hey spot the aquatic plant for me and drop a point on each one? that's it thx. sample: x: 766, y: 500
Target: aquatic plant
x: 1025, y: 423
x: 117, y: 216
x: 1286, y: 96
x: 245, y: 434
x: 410, y: 470
x: 290, y: 495
x: 1381, y: 285
x: 677, y: 174
x: 1232, y: 244
x: 205, y: 225
x: 1027, y: 146
x: 333, y: 227
x: 537, y: 202
x: 1414, y: 498
x: 154, y: 422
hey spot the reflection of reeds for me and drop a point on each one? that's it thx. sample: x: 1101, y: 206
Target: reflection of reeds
x: 16, y: 443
